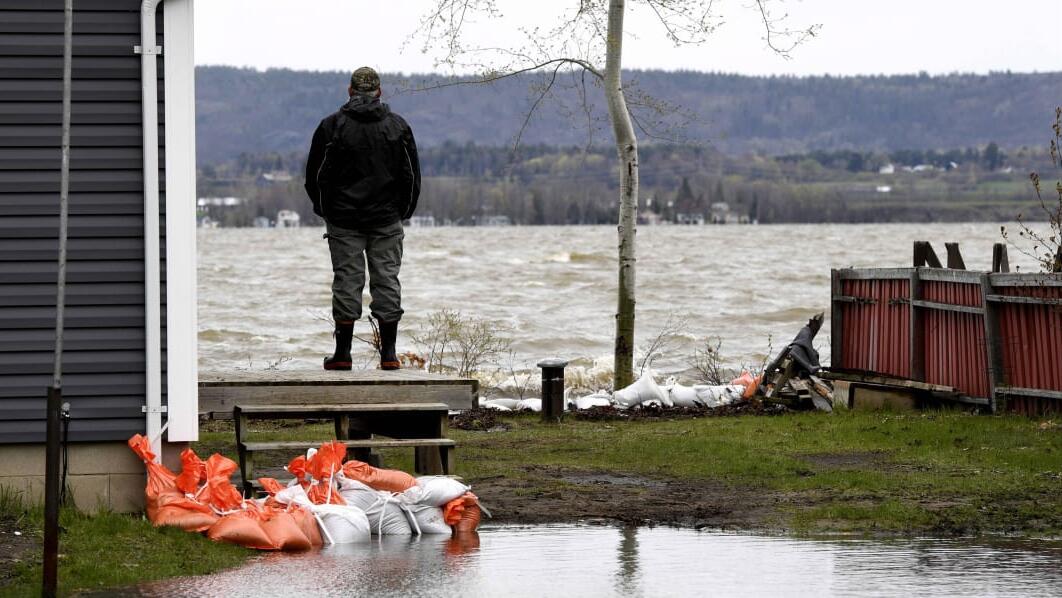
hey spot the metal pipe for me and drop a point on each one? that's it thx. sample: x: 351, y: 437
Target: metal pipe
x: 552, y: 389
x: 149, y: 53
x: 50, y: 565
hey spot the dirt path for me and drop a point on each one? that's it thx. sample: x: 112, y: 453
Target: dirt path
x: 555, y: 495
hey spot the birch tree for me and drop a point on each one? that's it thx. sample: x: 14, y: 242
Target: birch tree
x: 587, y: 35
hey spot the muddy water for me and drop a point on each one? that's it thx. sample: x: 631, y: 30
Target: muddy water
x: 262, y: 292
x: 590, y: 561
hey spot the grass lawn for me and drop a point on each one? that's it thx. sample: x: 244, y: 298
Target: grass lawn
x: 104, y: 550
x: 944, y: 472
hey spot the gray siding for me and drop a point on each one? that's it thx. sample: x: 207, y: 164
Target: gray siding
x: 104, y: 353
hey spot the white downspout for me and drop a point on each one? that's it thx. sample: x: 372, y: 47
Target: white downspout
x: 149, y: 52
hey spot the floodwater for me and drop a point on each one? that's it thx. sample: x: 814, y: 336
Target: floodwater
x: 590, y: 561
x: 263, y: 292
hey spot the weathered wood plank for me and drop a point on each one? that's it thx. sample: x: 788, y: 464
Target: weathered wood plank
x: 874, y: 273
x: 966, y: 309
x: 295, y: 445
x: 219, y: 400
x: 1026, y: 279
x: 945, y: 275
x: 1026, y: 300
x: 1029, y: 392
x: 885, y: 381
x: 209, y: 379
x: 258, y: 411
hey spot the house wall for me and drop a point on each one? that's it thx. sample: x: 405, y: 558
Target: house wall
x: 103, y: 361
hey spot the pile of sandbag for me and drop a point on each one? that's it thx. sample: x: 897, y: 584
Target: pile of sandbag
x: 329, y: 501
x: 645, y: 392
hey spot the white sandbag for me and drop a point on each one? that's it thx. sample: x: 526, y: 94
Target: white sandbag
x: 435, y: 490
x: 717, y: 396
x: 385, y: 513
x: 342, y: 524
x: 430, y: 520
x: 503, y: 404
x: 645, y: 389
x: 496, y: 406
x: 683, y: 396
x: 529, y: 405
x: 294, y: 494
x: 595, y: 400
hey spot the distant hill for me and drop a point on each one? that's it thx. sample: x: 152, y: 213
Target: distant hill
x: 247, y: 111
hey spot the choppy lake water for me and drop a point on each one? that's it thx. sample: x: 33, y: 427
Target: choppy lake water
x: 590, y: 561
x: 262, y: 291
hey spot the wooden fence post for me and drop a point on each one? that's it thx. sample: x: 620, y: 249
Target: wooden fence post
x: 955, y: 261
x: 925, y: 256
x: 916, y: 335
x: 993, y: 346
x: 836, y: 317
x: 1000, y: 261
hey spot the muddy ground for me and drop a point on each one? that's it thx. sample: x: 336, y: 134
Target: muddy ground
x: 16, y: 545
x: 556, y: 495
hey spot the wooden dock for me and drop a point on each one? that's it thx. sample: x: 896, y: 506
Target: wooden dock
x: 221, y: 391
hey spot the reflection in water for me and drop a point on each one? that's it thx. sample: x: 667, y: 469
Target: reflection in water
x: 564, y: 560
x: 627, y: 580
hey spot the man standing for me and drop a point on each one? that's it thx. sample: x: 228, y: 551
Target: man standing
x: 363, y: 178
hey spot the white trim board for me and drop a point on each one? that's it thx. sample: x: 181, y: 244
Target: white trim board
x: 182, y: 327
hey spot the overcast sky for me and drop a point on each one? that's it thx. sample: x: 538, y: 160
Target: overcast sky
x: 857, y: 36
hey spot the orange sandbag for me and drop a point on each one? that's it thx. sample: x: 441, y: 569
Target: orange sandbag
x: 390, y: 480
x: 270, y: 485
x: 193, y: 472
x: 327, y: 460
x: 173, y: 508
x: 164, y: 503
x: 308, y: 524
x: 285, y: 533
x: 297, y: 468
x: 160, y: 478
x: 322, y: 467
x: 243, y: 528
x: 470, y: 516
x: 750, y: 383
x: 220, y: 493
x: 463, y: 513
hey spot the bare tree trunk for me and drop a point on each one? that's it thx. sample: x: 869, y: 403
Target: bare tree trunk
x: 627, y: 146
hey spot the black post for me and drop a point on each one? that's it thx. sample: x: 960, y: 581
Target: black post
x: 52, y: 483
x: 51, y: 493
x: 552, y: 389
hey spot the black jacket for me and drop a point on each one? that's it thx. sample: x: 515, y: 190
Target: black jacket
x: 363, y: 171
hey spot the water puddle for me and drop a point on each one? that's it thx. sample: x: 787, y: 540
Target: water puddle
x: 586, y: 560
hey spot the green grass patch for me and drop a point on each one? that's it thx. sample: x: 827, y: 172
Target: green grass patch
x: 906, y: 472
x: 103, y: 550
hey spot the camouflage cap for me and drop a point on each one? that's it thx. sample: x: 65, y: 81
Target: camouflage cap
x: 365, y: 80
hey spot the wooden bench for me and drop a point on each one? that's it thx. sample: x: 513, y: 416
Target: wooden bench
x: 220, y: 391
x: 421, y: 426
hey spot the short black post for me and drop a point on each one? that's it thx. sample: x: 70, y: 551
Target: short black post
x: 51, y: 493
x: 552, y: 389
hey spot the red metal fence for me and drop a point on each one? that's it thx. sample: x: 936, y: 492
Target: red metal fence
x: 990, y: 336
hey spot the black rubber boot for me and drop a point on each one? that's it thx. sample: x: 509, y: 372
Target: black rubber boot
x: 388, y: 336
x: 341, y: 359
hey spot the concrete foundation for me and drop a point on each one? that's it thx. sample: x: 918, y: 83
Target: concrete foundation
x: 100, y: 475
x: 880, y: 397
